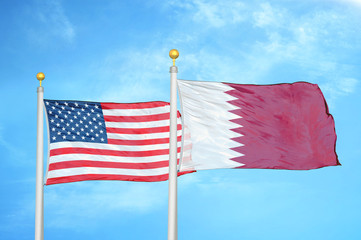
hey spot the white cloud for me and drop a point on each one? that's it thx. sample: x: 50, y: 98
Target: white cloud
x: 269, y: 16
x: 13, y: 152
x: 134, y: 75
x: 338, y: 87
x: 52, y: 23
x: 213, y: 13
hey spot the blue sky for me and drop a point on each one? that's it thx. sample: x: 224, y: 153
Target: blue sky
x: 118, y: 51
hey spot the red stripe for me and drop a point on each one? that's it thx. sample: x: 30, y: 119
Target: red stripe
x: 141, y: 130
x: 141, y: 142
x: 100, y: 164
x: 85, y: 177
x: 145, y: 118
x: 133, y: 105
x: 106, y: 152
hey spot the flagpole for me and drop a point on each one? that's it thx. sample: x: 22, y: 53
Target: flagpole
x: 172, y: 188
x: 39, y: 192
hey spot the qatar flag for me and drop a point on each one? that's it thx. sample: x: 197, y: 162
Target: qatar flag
x: 282, y: 126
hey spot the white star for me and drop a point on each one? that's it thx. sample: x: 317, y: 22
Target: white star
x: 90, y: 123
x: 53, y: 107
x: 63, y: 129
x: 61, y: 120
x: 66, y: 116
x: 54, y: 138
x: 100, y: 123
x: 67, y: 124
x: 98, y: 115
x: 78, y: 113
x: 87, y: 134
x: 92, y: 139
x: 62, y: 107
x: 95, y: 127
x: 78, y: 133
x: 82, y: 129
x: 84, y: 118
x: 71, y: 120
x: 59, y: 112
x: 52, y: 120
x: 86, y: 105
x: 82, y: 109
x: 59, y: 133
x: 91, y: 130
x: 56, y: 103
x: 101, y: 131
x: 76, y: 125
x: 72, y: 129
x: 72, y: 108
x: 102, y: 139
x: 83, y: 137
x: 97, y: 135
x: 75, y: 117
x: 53, y: 129
x: 81, y: 121
x: 68, y: 133
x: 73, y: 136
x: 88, y: 114
x: 50, y: 112
x: 58, y: 124
x: 56, y: 116
x: 92, y: 110
x: 96, y: 106
x: 64, y: 137
x: 94, y: 119
x: 69, y: 112
x: 76, y: 104
x: 86, y: 126
x: 65, y: 103
x: 47, y: 103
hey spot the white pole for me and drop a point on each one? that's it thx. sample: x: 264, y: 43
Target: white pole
x: 39, y: 197
x: 172, y: 188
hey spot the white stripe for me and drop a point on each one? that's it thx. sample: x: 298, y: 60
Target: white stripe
x: 114, y: 171
x: 102, y: 158
x: 141, y: 136
x: 161, y: 123
x: 109, y: 146
x: 136, y: 112
x: 206, y: 115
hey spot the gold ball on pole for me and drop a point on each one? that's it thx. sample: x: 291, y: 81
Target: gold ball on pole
x: 40, y: 76
x: 173, y: 54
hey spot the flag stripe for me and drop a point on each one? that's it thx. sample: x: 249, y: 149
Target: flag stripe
x: 141, y: 130
x: 138, y: 124
x: 101, y: 164
x: 93, y: 170
x: 119, y: 159
x: 143, y: 105
x: 141, y: 142
x: 136, y: 112
x: 140, y: 136
x: 146, y: 118
x: 61, y: 145
x: 72, y: 150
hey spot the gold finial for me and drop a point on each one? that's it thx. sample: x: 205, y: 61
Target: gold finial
x: 40, y: 76
x: 173, y: 54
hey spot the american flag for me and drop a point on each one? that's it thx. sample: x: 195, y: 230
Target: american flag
x: 108, y: 141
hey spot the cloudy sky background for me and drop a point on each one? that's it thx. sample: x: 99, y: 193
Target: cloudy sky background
x: 118, y: 51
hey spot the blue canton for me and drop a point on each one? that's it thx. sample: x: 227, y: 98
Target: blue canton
x: 75, y: 121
